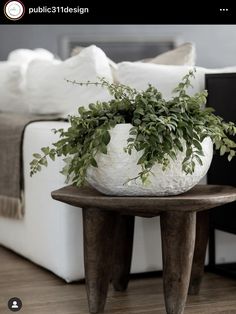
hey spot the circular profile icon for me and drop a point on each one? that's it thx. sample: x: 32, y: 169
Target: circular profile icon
x: 14, y: 304
x: 14, y: 10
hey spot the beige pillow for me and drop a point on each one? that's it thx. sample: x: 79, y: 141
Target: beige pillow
x: 77, y: 50
x: 183, y: 55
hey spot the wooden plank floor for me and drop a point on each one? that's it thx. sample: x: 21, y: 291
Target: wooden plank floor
x: 43, y: 293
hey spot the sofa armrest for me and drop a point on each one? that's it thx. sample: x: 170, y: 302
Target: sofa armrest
x: 55, y: 229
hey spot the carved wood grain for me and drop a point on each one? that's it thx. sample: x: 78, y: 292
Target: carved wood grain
x: 123, y: 249
x: 99, y: 234
x: 178, y: 239
x: 202, y: 234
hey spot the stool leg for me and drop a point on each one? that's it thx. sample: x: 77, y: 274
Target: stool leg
x: 178, y: 231
x: 202, y: 234
x: 99, y: 232
x: 123, y: 252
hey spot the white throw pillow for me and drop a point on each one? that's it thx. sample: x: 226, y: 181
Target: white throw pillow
x: 48, y: 92
x: 13, y: 78
x: 185, y: 54
x: 22, y: 56
x: 164, y: 77
x: 11, y: 91
x: 113, y: 66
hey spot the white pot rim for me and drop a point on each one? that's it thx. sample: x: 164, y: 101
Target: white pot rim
x: 123, y: 124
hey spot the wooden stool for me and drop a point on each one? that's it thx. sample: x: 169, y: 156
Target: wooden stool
x: 108, y: 223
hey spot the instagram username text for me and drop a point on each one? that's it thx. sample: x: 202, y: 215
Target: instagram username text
x: 58, y: 9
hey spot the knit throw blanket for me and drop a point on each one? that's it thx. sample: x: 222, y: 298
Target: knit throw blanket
x: 12, y: 128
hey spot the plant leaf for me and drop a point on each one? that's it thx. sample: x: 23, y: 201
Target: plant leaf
x: 94, y: 163
x: 106, y: 137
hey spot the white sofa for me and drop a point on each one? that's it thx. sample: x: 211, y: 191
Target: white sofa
x: 50, y: 234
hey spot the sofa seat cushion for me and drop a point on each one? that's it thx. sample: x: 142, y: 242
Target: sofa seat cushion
x: 184, y: 54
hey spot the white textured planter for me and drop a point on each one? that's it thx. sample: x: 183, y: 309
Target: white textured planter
x: 115, y: 168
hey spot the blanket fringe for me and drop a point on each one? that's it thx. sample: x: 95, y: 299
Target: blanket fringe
x: 11, y: 207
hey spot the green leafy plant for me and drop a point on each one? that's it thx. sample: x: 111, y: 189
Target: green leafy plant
x: 161, y: 128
